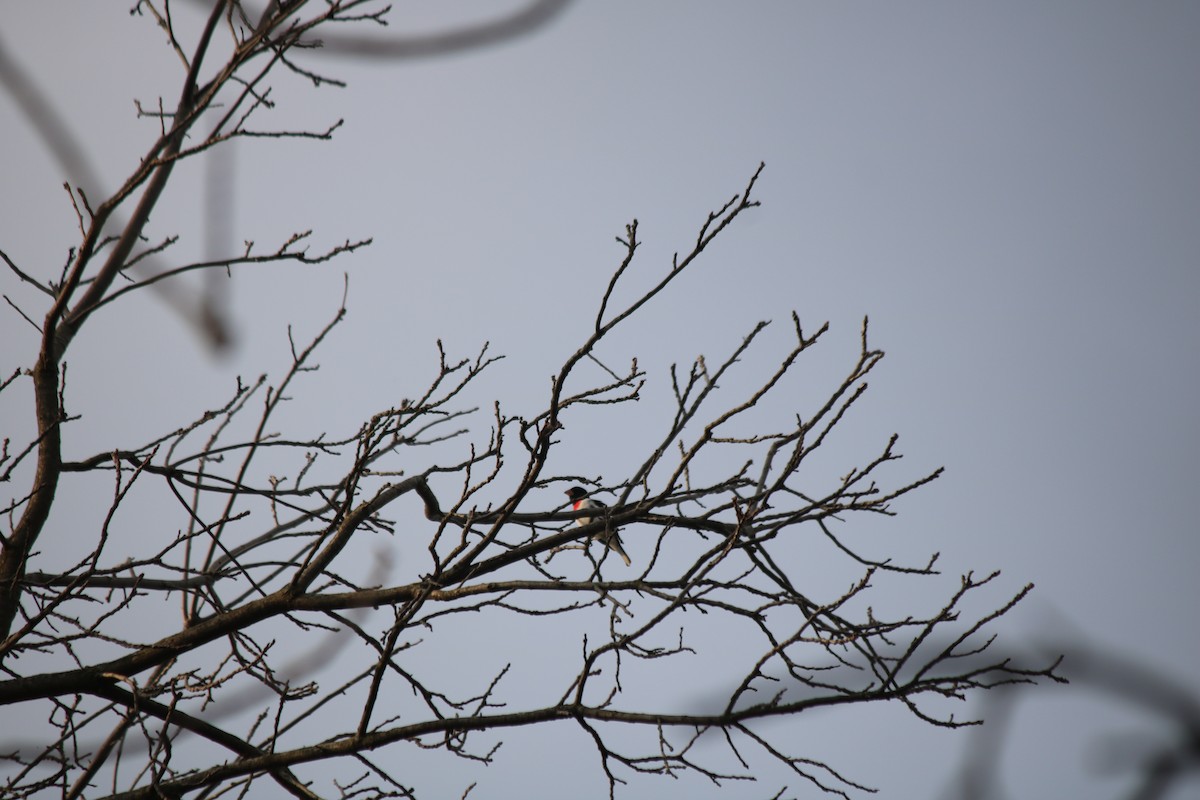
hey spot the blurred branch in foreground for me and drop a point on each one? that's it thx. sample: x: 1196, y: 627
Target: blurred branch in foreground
x: 1157, y: 767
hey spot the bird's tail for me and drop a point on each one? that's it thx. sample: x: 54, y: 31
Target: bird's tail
x: 614, y: 543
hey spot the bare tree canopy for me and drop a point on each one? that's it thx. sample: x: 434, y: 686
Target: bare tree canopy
x: 731, y: 518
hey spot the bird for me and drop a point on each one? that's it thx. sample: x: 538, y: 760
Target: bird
x: 580, y: 500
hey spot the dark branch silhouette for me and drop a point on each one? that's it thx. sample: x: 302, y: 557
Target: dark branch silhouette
x: 253, y: 540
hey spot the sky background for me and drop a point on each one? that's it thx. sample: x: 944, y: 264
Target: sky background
x: 1010, y: 191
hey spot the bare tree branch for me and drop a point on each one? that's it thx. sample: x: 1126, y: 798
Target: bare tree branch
x: 252, y: 531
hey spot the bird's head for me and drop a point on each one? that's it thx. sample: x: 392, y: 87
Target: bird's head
x: 576, y: 493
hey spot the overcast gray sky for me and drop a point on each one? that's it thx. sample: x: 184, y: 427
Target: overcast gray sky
x: 1011, y: 192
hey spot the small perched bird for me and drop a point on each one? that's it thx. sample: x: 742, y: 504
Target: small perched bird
x: 580, y: 500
